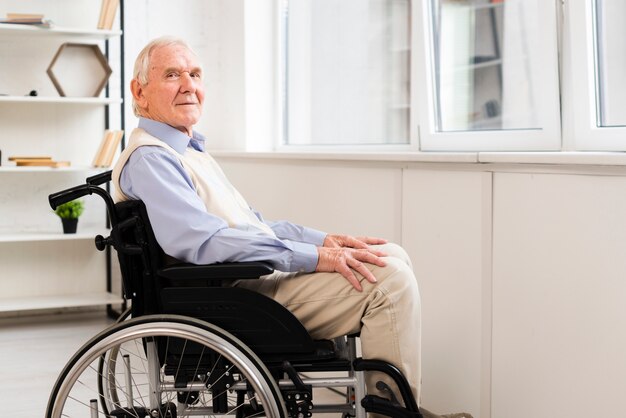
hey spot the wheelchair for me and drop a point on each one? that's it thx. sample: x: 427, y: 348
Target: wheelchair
x: 196, y: 346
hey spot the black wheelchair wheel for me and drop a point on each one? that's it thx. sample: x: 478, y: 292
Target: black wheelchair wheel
x: 165, y: 366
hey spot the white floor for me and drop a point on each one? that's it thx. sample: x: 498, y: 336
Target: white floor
x: 33, y: 350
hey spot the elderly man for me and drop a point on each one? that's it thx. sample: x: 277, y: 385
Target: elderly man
x: 334, y: 284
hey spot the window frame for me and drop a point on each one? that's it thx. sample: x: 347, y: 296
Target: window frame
x: 281, y: 143
x: 547, y: 138
x: 580, y: 118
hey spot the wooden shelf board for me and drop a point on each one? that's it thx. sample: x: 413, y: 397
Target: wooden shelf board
x: 29, y: 236
x: 17, y: 29
x: 58, y: 301
x: 61, y: 100
x: 27, y: 169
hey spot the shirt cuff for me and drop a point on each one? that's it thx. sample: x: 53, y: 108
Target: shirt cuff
x: 313, y: 236
x: 304, y: 257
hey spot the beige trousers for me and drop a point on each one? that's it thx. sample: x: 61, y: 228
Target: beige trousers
x: 386, y: 313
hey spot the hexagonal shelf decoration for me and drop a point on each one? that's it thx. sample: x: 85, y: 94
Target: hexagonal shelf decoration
x: 79, y: 70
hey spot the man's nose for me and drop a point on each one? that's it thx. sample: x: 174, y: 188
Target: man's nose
x: 187, y: 83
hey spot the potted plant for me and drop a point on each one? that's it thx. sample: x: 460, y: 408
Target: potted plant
x: 69, y: 213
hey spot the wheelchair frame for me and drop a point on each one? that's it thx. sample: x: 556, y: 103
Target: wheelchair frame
x: 244, y: 333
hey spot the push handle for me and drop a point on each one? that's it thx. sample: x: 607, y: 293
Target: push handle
x: 99, y: 179
x: 68, y: 195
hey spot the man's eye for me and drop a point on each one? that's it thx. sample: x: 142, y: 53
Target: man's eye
x: 196, y: 75
x: 172, y: 75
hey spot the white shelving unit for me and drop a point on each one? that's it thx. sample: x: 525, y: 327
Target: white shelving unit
x: 42, y: 268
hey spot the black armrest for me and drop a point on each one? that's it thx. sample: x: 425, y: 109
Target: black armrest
x: 222, y: 271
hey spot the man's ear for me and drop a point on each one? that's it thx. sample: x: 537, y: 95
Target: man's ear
x: 137, y: 90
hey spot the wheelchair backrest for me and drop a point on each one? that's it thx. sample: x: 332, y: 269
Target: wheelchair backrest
x: 139, y: 255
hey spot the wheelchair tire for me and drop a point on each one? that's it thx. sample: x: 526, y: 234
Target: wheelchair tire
x: 171, y: 366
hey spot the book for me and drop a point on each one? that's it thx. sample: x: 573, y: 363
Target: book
x: 34, y: 16
x: 103, y: 7
x: 37, y: 161
x: 42, y: 163
x: 27, y: 19
x: 107, y: 148
x: 38, y: 157
x: 108, y: 10
x: 112, y: 147
x: 98, y: 155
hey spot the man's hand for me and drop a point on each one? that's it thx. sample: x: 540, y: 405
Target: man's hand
x: 344, y: 260
x: 337, y: 241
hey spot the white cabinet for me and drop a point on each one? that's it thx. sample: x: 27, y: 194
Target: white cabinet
x: 446, y: 232
x: 558, y: 295
x: 40, y: 267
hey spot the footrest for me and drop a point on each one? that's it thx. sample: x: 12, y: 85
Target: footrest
x: 382, y: 406
x: 393, y: 372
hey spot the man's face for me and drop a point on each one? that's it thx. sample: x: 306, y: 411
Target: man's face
x: 174, y: 93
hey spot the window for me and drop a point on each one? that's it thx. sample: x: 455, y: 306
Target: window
x: 455, y: 75
x: 346, y: 72
x: 493, y: 75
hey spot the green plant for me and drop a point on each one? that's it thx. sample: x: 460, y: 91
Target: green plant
x: 70, y: 210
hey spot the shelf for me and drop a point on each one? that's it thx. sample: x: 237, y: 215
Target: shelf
x: 60, y: 100
x: 26, y: 169
x: 58, y: 235
x: 60, y: 301
x: 30, y: 30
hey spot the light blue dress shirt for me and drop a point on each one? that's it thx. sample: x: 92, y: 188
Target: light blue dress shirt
x: 181, y: 223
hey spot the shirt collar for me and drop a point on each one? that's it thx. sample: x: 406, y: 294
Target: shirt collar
x: 172, y: 136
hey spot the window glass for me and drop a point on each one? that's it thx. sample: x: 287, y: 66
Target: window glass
x: 610, y: 62
x: 486, y: 64
x: 346, y: 72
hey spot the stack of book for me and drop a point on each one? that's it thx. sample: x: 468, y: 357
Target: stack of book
x: 108, y: 10
x: 27, y: 19
x: 40, y: 161
x: 106, y: 150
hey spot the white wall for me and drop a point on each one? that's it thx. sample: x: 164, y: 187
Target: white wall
x: 235, y: 44
x: 205, y: 25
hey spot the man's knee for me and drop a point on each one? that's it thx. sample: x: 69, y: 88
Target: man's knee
x: 396, y: 251
x: 398, y: 280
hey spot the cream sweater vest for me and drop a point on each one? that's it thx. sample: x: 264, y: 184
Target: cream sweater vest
x: 219, y: 196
